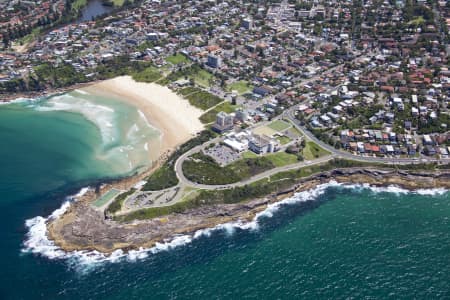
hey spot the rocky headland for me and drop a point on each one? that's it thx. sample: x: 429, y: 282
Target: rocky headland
x: 84, y: 228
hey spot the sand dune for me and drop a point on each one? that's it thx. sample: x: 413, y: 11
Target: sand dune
x: 172, y: 115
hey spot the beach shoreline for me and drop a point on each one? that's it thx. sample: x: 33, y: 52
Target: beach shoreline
x: 175, y: 119
x: 170, y: 114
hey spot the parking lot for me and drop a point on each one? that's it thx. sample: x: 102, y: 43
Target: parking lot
x: 222, y: 154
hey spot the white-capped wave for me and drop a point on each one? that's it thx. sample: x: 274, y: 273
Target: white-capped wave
x: 38, y: 242
x: 83, y: 92
x: 144, y: 118
x: 394, y: 189
x: 17, y: 100
x: 102, y: 116
x: 431, y: 192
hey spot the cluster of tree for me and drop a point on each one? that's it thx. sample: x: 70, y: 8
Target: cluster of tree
x: 165, y: 176
x: 46, y: 75
x: 429, y: 125
x: 61, y: 76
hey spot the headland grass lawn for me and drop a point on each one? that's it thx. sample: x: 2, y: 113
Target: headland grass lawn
x: 280, y: 159
x: 162, y: 178
x: 279, y: 125
x: 241, y: 87
x: 117, y: 203
x: 177, y: 59
x: 200, y: 98
x: 189, y: 193
x: 204, y: 169
x: 210, y: 115
x: 254, y: 190
x: 312, y: 151
x: 106, y: 197
x: 165, y: 176
x: 150, y: 74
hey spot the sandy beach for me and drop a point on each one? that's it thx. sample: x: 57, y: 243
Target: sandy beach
x: 172, y: 115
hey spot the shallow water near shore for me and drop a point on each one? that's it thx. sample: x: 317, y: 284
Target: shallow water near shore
x: 347, y: 241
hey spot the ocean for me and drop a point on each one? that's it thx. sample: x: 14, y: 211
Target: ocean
x: 333, y: 242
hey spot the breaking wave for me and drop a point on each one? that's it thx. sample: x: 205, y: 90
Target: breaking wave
x: 17, y: 100
x: 37, y: 241
x: 125, y: 131
x: 100, y: 115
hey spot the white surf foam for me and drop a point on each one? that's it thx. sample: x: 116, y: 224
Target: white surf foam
x: 17, y: 100
x: 38, y: 242
x: 102, y: 116
x: 394, y: 189
x: 144, y: 118
x: 82, y: 92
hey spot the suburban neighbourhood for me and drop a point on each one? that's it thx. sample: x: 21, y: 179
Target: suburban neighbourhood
x: 369, y: 77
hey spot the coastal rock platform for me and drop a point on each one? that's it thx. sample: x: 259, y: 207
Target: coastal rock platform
x: 84, y: 228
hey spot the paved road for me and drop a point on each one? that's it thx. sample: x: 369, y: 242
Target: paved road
x: 290, y: 114
x: 345, y: 154
x: 187, y: 182
x: 335, y: 153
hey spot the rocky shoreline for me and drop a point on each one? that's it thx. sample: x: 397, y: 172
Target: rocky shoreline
x: 84, y: 228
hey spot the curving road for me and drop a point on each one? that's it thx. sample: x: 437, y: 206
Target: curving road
x: 335, y: 153
x: 345, y: 154
x: 290, y: 115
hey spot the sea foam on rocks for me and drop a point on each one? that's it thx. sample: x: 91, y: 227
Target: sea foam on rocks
x: 37, y: 241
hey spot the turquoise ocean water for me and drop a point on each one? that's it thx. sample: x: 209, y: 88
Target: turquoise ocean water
x: 335, y: 242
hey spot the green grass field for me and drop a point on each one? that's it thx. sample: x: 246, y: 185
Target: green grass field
x: 254, y: 190
x: 280, y: 159
x: 188, y: 90
x: 264, y: 130
x: 200, y: 98
x: 106, y: 197
x: 204, y: 169
x: 210, y: 115
x: 283, y: 140
x: 116, y: 205
x: 279, y: 125
x: 202, y: 78
x: 312, y: 151
x: 295, y: 132
x: 177, y: 59
x: 150, y: 74
x: 241, y: 87
x: 249, y: 154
